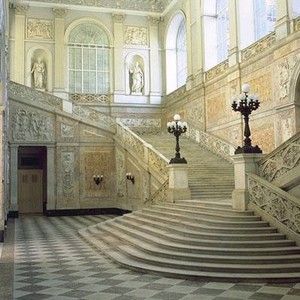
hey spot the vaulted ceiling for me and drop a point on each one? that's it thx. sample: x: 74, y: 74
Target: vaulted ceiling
x: 146, y: 6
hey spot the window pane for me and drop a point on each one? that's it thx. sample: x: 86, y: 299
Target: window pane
x: 78, y: 88
x: 222, y: 30
x: 181, y: 55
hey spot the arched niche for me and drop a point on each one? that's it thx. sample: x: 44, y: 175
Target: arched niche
x: 39, y: 68
x: 135, y: 75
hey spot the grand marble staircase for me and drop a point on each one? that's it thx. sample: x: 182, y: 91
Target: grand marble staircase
x: 198, y: 239
x: 202, y: 237
x: 210, y: 176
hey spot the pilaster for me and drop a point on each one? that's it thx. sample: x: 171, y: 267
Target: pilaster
x: 59, y: 50
x: 188, y: 45
x: 155, y: 61
x: 51, y: 178
x: 283, y: 18
x: 233, y: 33
x: 19, y: 50
x: 13, y: 178
x: 119, y: 84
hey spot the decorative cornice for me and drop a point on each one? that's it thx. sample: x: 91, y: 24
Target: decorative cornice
x: 154, y: 20
x: 153, y: 6
x: 59, y: 12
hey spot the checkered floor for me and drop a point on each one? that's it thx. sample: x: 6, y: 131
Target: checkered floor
x: 52, y: 262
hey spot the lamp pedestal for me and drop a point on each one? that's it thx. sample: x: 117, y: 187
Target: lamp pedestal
x: 243, y: 164
x: 178, y: 182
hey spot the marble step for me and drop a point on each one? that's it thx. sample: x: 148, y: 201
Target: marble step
x: 144, y: 234
x: 207, y: 220
x: 136, y: 221
x: 202, y: 227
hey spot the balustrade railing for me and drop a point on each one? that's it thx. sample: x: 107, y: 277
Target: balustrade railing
x: 275, y: 202
x: 24, y: 93
x: 160, y: 195
x: 211, y: 142
x: 282, y: 160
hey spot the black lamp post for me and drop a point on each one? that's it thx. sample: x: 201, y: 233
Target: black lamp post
x: 177, y: 127
x: 247, y: 104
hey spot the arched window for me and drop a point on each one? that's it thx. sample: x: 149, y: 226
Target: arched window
x: 264, y: 17
x: 89, y: 54
x: 216, y: 32
x: 176, y: 53
x: 181, y: 54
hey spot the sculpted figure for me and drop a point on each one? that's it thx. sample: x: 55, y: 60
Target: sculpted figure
x: 137, y: 76
x: 39, y: 74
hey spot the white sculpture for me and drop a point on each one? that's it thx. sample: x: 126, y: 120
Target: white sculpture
x: 137, y: 79
x: 39, y: 74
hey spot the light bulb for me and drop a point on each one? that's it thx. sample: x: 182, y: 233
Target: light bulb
x: 246, y: 88
x: 177, y: 117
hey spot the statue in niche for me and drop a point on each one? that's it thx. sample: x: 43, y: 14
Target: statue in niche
x: 39, y: 74
x: 136, y: 82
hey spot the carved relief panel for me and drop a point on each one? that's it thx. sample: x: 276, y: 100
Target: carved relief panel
x: 29, y: 125
x: 40, y: 29
x: 136, y: 36
x: 121, y: 172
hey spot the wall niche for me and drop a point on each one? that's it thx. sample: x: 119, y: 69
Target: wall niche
x: 39, y: 69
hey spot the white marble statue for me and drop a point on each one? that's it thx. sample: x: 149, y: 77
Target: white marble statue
x: 137, y: 76
x: 39, y: 74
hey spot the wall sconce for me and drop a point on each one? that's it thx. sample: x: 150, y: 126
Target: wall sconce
x: 98, y: 179
x: 130, y: 177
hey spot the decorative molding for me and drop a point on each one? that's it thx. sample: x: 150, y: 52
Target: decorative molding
x: 137, y: 36
x: 59, y: 12
x: 258, y: 47
x: 297, y: 24
x: 155, y: 6
x: 154, y: 21
x: 89, y: 98
x: 31, y: 126
x: 132, y: 122
x: 218, y: 70
x: 39, y: 29
x: 275, y: 202
x: 21, y: 9
x: 282, y: 160
x: 68, y: 174
x: 118, y: 18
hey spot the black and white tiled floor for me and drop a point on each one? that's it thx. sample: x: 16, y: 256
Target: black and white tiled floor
x: 52, y: 262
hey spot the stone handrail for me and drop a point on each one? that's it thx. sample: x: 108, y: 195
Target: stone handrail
x: 217, y: 70
x: 90, y: 99
x: 275, y: 202
x: 25, y: 93
x: 282, y: 160
x: 211, y: 143
x: 160, y: 195
x: 155, y: 161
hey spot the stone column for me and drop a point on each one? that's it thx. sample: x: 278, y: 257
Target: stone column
x: 283, y: 18
x: 243, y: 164
x: 51, y: 178
x: 119, y: 80
x: 19, y: 51
x: 59, y: 52
x: 13, y: 178
x: 197, y: 38
x: 155, y: 62
x: 178, y: 182
x: 233, y: 33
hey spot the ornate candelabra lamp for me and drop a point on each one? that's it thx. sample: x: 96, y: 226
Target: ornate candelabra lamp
x: 177, y: 127
x: 247, y: 104
x: 130, y: 177
x: 98, y: 179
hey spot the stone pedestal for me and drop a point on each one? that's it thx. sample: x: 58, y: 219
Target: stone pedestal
x: 243, y: 164
x: 178, y: 183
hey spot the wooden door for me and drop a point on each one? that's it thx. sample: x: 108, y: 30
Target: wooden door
x: 30, y: 194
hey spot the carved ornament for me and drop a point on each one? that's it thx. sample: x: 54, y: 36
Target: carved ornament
x: 40, y: 29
